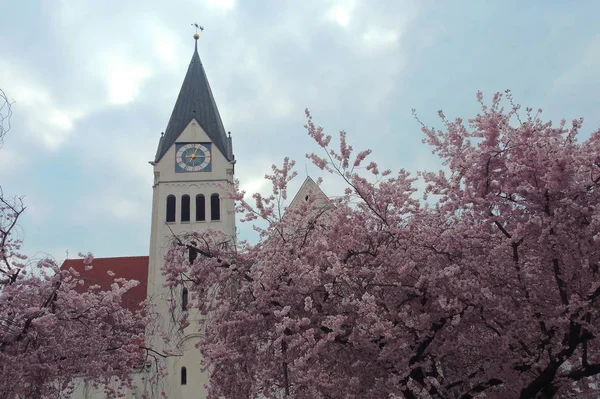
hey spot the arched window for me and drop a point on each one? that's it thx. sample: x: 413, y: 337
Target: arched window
x: 185, y: 208
x: 215, y: 207
x: 171, y: 208
x: 200, y: 208
x: 183, y: 376
x: 184, y: 299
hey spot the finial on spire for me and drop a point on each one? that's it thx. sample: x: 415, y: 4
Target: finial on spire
x: 198, y: 27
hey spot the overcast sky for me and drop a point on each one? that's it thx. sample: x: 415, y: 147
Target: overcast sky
x: 95, y: 83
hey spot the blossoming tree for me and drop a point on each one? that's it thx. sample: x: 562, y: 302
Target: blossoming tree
x: 52, y: 332
x: 488, y: 285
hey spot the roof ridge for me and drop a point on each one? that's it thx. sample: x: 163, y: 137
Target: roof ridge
x: 112, y: 257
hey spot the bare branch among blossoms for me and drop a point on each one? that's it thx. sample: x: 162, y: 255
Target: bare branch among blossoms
x: 11, y: 262
x: 5, y: 115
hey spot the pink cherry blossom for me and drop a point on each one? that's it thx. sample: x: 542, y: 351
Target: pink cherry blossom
x: 52, y: 330
x: 484, y: 285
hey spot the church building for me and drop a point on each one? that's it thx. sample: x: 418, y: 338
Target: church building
x: 193, y: 165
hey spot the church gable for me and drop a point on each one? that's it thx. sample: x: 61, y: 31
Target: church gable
x: 307, y: 190
x: 194, y: 133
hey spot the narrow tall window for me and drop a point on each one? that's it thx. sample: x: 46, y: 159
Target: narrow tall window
x: 184, y: 299
x: 200, y: 208
x: 183, y: 376
x: 185, y: 208
x: 171, y: 208
x: 215, y: 207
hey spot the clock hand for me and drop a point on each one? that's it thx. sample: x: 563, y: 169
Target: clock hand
x: 193, y: 156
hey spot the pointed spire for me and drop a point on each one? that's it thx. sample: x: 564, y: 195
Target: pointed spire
x: 195, y: 101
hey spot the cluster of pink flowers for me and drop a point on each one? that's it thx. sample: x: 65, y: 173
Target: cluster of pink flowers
x: 494, y: 289
x: 53, y: 333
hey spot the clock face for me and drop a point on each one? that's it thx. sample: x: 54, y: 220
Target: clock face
x: 192, y: 157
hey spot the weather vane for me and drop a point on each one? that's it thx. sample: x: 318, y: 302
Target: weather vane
x: 196, y: 35
x: 198, y: 27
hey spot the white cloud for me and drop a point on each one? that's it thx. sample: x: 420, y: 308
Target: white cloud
x: 109, y: 206
x: 252, y: 176
x: 283, y: 107
x: 132, y: 156
x: 124, y: 78
x: 277, y: 101
x: 255, y: 184
x: 583, y: 71
x: 47, y: 120
x: 38, y: 208
x: 165, y: 50
x: 377, y: 37
x: 223, y: 5
x: 125, y: 209
x: 10, y: 160
x: 341, y: 12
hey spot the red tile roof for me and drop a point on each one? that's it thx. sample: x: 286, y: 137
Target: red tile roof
x: 129, y: 267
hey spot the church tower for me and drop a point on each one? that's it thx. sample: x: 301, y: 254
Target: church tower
x: 193, y: 162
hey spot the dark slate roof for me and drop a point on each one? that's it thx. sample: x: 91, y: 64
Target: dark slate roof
x: 195, y: 101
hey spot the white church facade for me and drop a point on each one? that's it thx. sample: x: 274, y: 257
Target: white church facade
x: 193, y: 166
